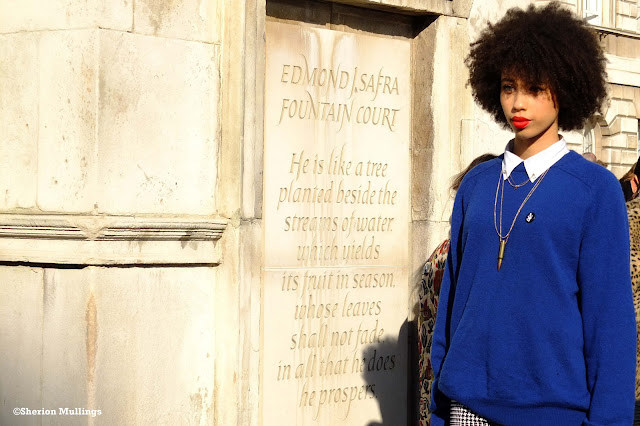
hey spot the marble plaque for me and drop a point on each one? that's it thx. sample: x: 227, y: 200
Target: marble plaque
x: 336, y: 223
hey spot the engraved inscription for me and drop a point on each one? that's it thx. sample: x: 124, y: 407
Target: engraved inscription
x: 336, y: 225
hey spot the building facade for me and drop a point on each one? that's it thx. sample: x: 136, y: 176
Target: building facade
x: 184, y: 184
x: 613, y: 136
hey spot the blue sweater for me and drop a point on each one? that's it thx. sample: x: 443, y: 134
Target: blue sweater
x: 550, y: 339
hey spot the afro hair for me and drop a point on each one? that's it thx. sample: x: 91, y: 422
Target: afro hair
x: 548, y: 46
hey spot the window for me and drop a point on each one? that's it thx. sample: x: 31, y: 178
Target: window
x: 588, y: 139
x: 592, y: 11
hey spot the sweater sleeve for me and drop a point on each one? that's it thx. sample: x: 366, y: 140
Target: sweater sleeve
x: 439, y: 402
x: 608, y: 316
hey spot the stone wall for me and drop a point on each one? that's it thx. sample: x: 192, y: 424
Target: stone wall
x: 132, y: 165
x: 131, y: 207
x: 616, y: 132
x: 88, y: 93
x: 627, y: 15
x: 619, y: 129
x: 109, y: 232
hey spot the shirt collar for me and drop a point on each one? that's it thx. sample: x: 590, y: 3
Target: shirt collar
x: 536, y: 164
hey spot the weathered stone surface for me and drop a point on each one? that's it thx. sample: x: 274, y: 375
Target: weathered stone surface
x: 611, y: 156
x: 228, y: 351
x: 115, y: 14
x: 67, y: 120
x: 575, y: 140
x: 619, y: 107
x: 183, y: 19
x: 48, y: 92
x: 110, y: 240
x: 67, y: 344
x: 253, y: 119
x: 238, y: 355
x: 482, y: 13
x: 623, y: 71
x: 233, y: 106
x: 618, y: 170
x: 627, y: 23
x: 157, y: 135
x: 135, y: 343
x: 150, y: 339
x: 337, y: 124
x: 447, y: 109
x: 617, y: 140
x: 21, y: 310
x: 630, y: 156
x: 35, y: 15
x: 52, y: 124
x: 19, y: 120
x: 423, y: 149
x: 250, y: 283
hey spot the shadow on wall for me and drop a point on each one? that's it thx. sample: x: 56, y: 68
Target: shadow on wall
x: 385, y: 365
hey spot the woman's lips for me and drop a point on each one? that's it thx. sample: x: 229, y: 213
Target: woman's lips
x: 520, y: 122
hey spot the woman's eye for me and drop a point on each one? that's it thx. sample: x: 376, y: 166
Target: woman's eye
x: 507, y: 88
x: 536, y: 89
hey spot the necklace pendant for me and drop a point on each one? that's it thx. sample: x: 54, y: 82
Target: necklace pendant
x: 503, y: 244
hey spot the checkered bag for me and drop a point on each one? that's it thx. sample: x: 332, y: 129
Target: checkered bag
x: 461, y: 416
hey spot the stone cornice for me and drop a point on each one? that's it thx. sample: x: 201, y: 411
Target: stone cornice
x: 109, y: 240
x: 604, y: 31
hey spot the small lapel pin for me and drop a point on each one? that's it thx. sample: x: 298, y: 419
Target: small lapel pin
x: 530, y: 217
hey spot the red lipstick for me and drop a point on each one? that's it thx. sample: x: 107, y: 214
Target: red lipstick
x: 520, y: 122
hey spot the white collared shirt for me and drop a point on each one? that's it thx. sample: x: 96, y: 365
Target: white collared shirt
x: 536, y: 164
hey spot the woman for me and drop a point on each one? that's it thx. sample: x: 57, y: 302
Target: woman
x: 536, y: 322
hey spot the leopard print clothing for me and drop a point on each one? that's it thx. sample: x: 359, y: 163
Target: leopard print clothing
x: 633, y: 212
x: 428, y: 299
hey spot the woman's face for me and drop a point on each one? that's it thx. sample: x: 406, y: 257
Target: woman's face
x: 531, y: 110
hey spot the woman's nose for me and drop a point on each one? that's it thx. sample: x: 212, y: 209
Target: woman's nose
x: 519, y: 100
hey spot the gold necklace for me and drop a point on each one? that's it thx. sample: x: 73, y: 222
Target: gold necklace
x: 505, y: 238
x: 517, y: 185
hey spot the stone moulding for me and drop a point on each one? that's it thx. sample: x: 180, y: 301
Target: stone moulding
x: 624, y: 71
x: 109, y: 240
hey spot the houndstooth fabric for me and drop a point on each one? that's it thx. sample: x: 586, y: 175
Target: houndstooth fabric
x: 461, y: 416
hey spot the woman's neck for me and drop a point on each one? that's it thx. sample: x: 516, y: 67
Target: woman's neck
x: 525, y: 148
